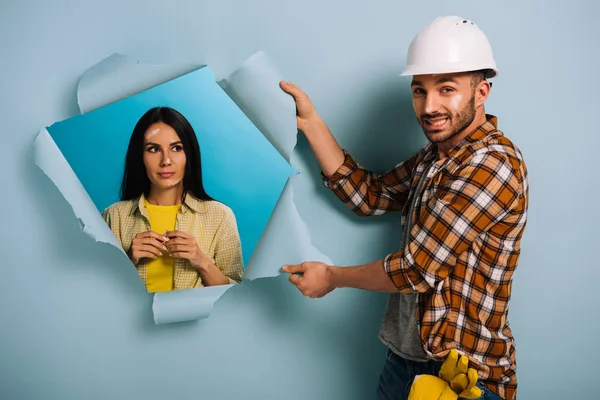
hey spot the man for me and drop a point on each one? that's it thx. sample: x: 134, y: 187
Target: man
x: 463, y: 200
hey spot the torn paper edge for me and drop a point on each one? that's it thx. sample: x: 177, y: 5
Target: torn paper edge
x: 186, y: 305
x: 124, y: 66
x: 49, y: 159
x: 140, y: 76
x: 252, y: 71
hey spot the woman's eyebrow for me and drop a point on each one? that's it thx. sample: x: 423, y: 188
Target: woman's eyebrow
x: 156, y: 144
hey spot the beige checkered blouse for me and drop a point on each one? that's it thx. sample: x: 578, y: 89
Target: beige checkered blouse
x: 212, y: 223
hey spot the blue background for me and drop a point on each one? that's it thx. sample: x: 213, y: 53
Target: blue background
x: 239, y: 166
x: 74, y: 322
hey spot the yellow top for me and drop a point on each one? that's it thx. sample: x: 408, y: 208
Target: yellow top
x: 159, y: 273
x: 212, y: 224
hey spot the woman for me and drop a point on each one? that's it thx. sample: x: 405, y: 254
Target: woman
x: 173, y: 232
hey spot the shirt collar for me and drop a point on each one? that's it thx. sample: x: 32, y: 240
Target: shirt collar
x: 190, y: 203
x: 490, y: 125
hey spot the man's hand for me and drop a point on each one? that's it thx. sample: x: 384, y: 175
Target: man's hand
x: 328, y: 152
x: 315, y: 280
x: 306, y: 114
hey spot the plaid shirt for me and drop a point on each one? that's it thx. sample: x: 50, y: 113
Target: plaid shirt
x: 212, y: 224
x: 462, y: 243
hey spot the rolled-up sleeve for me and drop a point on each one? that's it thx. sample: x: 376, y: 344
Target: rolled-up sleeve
x: 367, y: 193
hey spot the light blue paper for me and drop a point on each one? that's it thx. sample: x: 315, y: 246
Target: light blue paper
x: 96, y: 88
x: 293, y: 248
x: 254, y: 88
x: 240, y: 167
x: 49, y: 159
x: 186, y: 305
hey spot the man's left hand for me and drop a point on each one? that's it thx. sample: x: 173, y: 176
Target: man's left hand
x: 314, y: 279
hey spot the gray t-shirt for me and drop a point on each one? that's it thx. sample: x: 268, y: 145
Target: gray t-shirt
x: 399, y: 330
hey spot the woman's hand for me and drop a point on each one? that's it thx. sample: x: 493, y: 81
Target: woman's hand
x: 146, y: 245
x: 183, y: 245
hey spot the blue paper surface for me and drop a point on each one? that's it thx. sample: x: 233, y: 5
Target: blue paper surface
x: 265, y: 121
x: 255, y: 89
x: 186, y: 305
x: 97, y: 86
x: 240, y: 167
x: 50, y: 160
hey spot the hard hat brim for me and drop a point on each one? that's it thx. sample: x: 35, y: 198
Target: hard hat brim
x: 455, y: 69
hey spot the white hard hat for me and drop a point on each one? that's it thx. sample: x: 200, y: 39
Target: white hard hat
x: 450, y: 44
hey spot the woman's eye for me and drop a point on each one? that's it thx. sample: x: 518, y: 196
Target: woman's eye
x: 177, y: 148
x: 152, y: 149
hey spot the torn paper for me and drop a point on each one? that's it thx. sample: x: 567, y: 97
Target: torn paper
x: 186, y: 305
x: 255, y: 90
x: 240, y: 168
x: 285, y: 241
x: 50, y: 160
x: 118, y: 77
x: 254, y: 87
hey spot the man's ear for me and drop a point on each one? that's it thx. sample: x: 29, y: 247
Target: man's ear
x: 482, y: 93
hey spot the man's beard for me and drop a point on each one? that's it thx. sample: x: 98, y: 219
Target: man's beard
x: 458, y: 123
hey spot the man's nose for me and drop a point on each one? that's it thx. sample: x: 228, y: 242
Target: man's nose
x: 432, y: 104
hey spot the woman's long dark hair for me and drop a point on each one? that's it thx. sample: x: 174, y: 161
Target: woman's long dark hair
x: 135, y: 179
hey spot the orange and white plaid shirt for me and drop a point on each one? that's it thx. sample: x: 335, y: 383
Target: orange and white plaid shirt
x: 462, y: 243
x: 212, y: 224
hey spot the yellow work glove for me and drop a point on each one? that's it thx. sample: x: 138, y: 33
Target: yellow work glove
x: 429, y: 387
x: 456, y: 380
x: 462, y: 379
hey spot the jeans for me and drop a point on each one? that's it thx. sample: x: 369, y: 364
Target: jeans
x: 398, y: 375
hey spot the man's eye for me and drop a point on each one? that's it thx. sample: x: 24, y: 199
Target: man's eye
x: 418, y: 92
x: 447, y: 89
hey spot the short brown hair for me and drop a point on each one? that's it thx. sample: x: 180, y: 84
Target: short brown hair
x: 478, y: 76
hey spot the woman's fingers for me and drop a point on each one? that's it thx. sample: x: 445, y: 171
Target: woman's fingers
x: 149, y: 249
x: 179, y: 242
x: 175, y: 247
x: 150, y: 241
x: 155, y: 243
x: 152, y: 234
x: 181, y: 254
x: 145, y: 254
x: 172, y: 235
